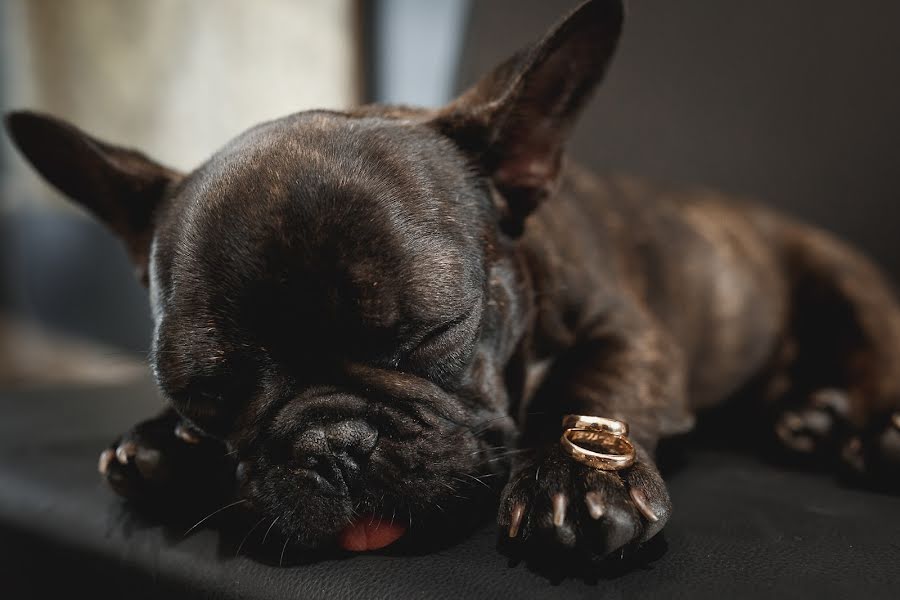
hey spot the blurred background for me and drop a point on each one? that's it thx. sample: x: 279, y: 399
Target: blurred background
x: 792, y: 103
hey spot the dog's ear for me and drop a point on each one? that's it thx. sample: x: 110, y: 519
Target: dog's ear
x: 122, y: 187
x: 515, y: 121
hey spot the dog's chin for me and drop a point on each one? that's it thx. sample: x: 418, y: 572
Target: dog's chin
x: 405, y: 494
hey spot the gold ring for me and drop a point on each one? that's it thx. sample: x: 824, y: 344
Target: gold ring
x: 616, y: 451
x: 613, y: 426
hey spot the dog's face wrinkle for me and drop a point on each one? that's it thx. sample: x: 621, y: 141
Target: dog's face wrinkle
x: 217, y: 372
x: 357, y: 292
x: 301, y: 278
x: 406, y: 477
x: 428, y: 445
x: 197, y: 257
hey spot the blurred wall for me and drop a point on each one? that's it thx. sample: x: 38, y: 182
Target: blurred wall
x: 175, y: 78
x: 178, y: 78
x: 794, y: 102
x: 416, y: 46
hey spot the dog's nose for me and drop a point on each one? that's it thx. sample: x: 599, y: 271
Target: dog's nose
x: 337, y: 451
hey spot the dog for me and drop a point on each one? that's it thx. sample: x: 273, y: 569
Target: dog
x: 361, y: 316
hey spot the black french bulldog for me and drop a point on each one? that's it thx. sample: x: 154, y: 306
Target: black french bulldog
x: 370, y: 309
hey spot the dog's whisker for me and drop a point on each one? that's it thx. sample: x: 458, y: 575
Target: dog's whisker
x: 212, y: 514
x: 462, y: 481
x: 246, y: 537
x: 503, y: 456
x: 447, y: 485
x: 283, y: 548
x: 270, y: 529
x: 478, y: 480
x: 483, y: 426
x: 490, y: 449
x: 472, y: 478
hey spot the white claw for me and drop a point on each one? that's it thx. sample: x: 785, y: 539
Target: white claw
x: 594, y: 504
x: 518, y: 512
x: 186, y: 435
x: 559, y: 509
x: 125, y: 451
x: 640, y: 500
x: 106, y: 457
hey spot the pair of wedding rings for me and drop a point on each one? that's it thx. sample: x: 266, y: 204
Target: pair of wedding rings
x: 597, y: 442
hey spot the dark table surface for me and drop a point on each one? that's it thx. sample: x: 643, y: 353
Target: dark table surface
x: 741, y: 528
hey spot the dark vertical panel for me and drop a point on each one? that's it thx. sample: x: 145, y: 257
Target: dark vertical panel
x: 365, y: 46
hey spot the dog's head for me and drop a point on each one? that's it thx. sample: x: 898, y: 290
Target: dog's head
x: 337, y: 295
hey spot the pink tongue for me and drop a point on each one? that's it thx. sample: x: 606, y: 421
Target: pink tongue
x: 369, y: 533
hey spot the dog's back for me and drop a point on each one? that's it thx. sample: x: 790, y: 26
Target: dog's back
x: 742, y: 290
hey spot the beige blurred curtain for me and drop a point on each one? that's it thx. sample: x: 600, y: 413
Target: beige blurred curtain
x: 175, y: 78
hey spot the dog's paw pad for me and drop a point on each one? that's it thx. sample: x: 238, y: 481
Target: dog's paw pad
x: 873, y: 457
x: 161, y: 463
x: 144, y: 459
x: 818, y: 427
x: 129, y: 467
x: 853, y: 456
x: 794, y: 432
x: 561, y: 502
x: 889, y: 440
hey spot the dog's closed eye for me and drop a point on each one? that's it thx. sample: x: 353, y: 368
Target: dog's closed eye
x: 445, y: 348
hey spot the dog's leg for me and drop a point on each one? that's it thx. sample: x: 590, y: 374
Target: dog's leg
x: 162, y: 461
x: 846, y: 374
x: 625, y: 367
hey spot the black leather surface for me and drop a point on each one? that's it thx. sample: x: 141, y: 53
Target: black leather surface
x: 740, y: 529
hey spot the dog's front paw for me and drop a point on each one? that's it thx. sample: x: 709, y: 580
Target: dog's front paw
x: 163, y: 459
x: 553, y: 499
x: 872, y: 457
